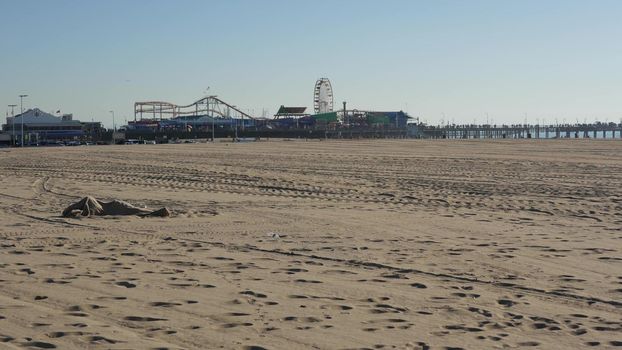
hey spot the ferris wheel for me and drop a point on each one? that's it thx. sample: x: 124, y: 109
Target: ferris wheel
x: 323, y: 96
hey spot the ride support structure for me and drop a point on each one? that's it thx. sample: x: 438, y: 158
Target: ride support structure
x: 209, y: 105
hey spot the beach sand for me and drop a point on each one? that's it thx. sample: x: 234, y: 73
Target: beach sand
x: 315, y: 245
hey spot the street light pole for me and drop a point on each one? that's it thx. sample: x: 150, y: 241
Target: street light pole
x: 213, y: 123
x: 21, y: 104
x: 13, y: 122
x: 114, y: 125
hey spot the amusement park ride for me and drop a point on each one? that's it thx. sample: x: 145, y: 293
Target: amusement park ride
x: 208, y: 105
x: 211, y: 112
x: 323, y: 96
x: 214, y: 107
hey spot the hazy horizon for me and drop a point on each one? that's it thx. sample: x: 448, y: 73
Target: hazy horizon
x: 450, y: 61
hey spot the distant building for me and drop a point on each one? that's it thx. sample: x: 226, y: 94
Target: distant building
x: 42, y: 126
x: 5, y: 139
x: 290, y: 112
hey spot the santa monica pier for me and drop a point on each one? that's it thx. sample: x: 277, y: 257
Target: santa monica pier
x: 212, y: 117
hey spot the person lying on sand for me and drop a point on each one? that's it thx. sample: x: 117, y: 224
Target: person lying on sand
x: 89, y: 206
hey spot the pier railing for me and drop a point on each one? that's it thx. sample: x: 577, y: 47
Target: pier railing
x: 598, y: 130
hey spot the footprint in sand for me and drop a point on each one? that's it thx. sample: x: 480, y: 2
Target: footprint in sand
x: 506, y: 302
x: 482, y: 312
x: 143, y: 319
x: 528, y: 343
x: 336, y: 307
x: 307, y: 281
x: 5, y: 338
x: 97, y: 339
x: 251, y: 293
x: 78, y: 325
x: 236, y: 324
x: 39, y: 345
x: 62, y: 334
x: 126, y: 284
x: 164, y: 304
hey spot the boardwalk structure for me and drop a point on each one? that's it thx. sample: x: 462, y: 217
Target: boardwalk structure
x: 596, y: 130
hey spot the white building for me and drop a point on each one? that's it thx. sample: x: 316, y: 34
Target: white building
x: 39, y: 125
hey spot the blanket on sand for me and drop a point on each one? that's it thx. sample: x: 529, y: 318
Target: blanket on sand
x: 89, y: 206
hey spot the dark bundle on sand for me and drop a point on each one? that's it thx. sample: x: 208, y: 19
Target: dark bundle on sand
x: 89, y: 206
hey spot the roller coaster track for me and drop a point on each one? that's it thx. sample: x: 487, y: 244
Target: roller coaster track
x: 208, y: 104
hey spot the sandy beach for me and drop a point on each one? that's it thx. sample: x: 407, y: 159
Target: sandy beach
x: 396, y: 244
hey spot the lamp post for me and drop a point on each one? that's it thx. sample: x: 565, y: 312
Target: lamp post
x: 213, y: 123
x: 21, y: 104
x: 114, y: 125
x: 13, y: 122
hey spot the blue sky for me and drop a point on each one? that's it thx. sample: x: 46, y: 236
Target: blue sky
x: 460, y: 61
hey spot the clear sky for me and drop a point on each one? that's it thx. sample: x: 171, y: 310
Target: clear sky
x: 457, y: 61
